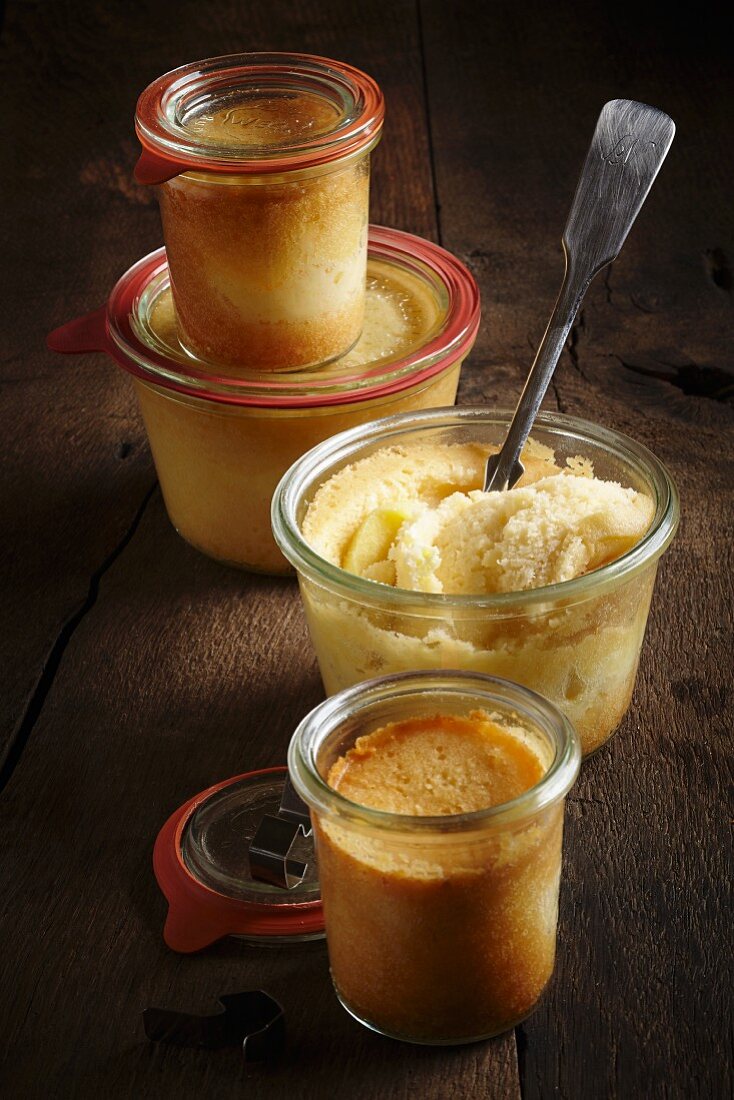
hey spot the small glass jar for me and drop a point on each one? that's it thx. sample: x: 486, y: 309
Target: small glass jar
x: 262, y: 162
x: 439, y: 929
x: 221, y: 441
x: 576, y: 642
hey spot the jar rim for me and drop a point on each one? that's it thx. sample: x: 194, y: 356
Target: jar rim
x: 162, y: 107
x: 345, y: 447
x: 484, y: 690
x: 306, y: 389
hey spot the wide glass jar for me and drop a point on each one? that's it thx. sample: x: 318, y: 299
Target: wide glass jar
x: 262, y: 162
x: 222, y: 440
x: 440, y: 929
x: 576, y: 642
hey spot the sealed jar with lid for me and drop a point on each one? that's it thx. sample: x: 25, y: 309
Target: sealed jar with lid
x: 263, y: 167
x: 222, y: 440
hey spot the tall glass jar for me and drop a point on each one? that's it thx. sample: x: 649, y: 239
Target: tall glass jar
x: 440, y: 929
x: 262, y: 162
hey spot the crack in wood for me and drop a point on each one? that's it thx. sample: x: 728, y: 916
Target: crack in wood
x: 521, y: 1043
x: 51, y: 667
x: 608, y: 283
x: 429, y: 128
x: 718, y: 268
x: 572, y: 344
x: 712, y: 383
x: 561, y: 405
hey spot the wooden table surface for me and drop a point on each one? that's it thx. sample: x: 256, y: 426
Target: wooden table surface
x: 137, y: 672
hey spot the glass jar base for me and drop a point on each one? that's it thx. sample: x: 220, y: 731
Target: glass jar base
x: 201, y: 361
x: 456, y: 1042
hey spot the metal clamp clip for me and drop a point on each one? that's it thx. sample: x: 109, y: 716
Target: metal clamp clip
x: 269, y: 850
x: 253, y: 1020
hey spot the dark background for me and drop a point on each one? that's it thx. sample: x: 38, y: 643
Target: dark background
x: 136, y: 672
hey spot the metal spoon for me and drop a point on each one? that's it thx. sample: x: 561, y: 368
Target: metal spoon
x: 629, y: 145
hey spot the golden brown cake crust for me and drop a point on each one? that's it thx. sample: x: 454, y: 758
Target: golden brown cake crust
x: 440, y: 764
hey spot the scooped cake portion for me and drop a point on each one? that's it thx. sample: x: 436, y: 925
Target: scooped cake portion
x: 412, y: 517
x: 417, y: 518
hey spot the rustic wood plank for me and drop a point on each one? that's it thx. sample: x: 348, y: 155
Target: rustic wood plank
x: 173, y: 672
x: 76, y: 468
x: 88, y: 471
x: 176, y: 654
x: 181, y: 674
x: 641, y: 1004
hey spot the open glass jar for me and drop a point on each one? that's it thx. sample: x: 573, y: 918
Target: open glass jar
x: 440, y: 929
x: 576, y: 642
x: 222, y: 440
x: 262, y: 162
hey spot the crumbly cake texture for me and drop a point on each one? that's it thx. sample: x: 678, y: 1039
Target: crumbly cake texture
x: 437, y: 765
x: 446, y: 535
x: 583, y: 657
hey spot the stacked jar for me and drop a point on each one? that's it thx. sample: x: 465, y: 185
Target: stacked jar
x: 262, y: 163
x: 276, y: 317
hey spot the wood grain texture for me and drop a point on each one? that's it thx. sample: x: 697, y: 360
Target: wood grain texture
x: 641, y: 1005
x: 77, y: 467
x: 165, y: 672
x: 171, y: 672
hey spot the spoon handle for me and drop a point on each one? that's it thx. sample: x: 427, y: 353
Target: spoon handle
x: 629, y: 145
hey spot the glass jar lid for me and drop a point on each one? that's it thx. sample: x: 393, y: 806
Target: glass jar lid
x: 256, y: 114
x: 201, y: 861
x: 134, y: 330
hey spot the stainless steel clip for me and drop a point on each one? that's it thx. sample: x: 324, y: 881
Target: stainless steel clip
x: 270, y: 847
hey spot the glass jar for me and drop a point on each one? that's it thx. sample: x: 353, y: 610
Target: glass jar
x: 576, y: 642
x: 262, y: 162
x: 221, y: 441
x: 439, y: 929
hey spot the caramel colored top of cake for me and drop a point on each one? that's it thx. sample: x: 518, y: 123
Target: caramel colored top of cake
x: 437, y: 765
